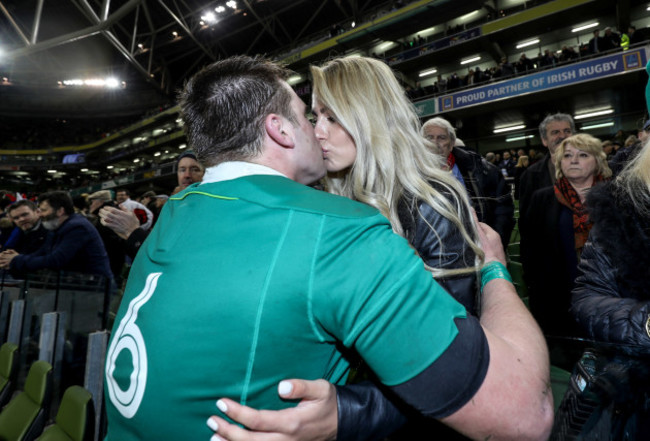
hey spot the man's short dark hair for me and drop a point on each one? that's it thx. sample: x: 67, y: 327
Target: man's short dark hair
x: 555, y: 117
x: 225, y: 104
x: 58, y: 199
x: 22, y: 203
x: 125, y: 190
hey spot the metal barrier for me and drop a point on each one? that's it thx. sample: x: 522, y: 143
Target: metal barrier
x: 61, y: 318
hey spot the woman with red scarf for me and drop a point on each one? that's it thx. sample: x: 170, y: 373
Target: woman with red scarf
x: 560, y: 227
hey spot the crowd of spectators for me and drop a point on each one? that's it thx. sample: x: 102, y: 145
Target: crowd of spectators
x: 523, y: 65
x: 91, y: 233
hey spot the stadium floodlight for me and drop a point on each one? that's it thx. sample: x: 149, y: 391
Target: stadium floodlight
x: 519, y: 138
x: 594, y: 113
x: 209, y: 17
x: 598, y: 126
x: 509, y: 128
x: 587, y: 26
x: 425, y: 73
x: 232, y: 4
x: 528, y: 43
x: 470, y: 60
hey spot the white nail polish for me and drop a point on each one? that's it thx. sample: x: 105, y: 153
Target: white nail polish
x: 212, y: 424
x: 285, y: 388
x: 215, y: 438
x: 222, y: 406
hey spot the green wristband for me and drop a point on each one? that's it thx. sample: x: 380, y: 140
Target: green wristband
x: 494, y: 270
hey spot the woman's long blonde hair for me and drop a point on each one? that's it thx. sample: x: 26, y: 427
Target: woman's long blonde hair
x: 393, y: 160
x: 634, y: 180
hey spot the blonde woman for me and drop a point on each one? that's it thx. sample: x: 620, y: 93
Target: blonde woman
x: 374, y: 153
x: 561, y: 224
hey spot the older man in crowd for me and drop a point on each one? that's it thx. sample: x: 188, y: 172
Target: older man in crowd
x: 485, y: 184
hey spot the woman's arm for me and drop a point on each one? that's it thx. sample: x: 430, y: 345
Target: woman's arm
x: 598, y: 306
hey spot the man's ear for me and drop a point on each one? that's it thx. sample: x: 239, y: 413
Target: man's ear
x: 60, y: 212
x: 279, y: 130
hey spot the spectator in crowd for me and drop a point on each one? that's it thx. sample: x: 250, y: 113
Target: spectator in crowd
x: 568, y: 54
x: 506, y: 69
x: 161, y: 199
x: 486, y: 186
x: 608, y: 148
x: 549, y: 59
x: 242, y: 271
x: 553, y: 130
x: 559, y: 226
x: 634, y: 36
x: 596, y: 43
x: 74, y: 245
x: 525, y: 64
x: 188, y: 170
x: 490, y: 157
x: 149, y: 200
x: 611, y: 40
x: 507, y: 164
x: 520, y: 168
x: 31, y: 232
x: 625, y: 154
x: 144, y: 215
x: 115, y: 246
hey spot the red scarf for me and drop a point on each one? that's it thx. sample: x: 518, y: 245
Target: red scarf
x: 567, y: 196
x: 451, y: 160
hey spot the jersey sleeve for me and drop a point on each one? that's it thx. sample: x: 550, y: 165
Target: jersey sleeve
x: 371, y: 291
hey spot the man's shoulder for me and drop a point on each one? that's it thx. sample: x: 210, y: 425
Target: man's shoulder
x: 277, y: 192
x: 75, y: 222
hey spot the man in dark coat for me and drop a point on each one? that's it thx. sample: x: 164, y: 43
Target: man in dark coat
x: 114, y: 244
x: 487, y: 189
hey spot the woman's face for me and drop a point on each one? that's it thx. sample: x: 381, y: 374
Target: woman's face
x: 339, y: 150
x: 576, y: 164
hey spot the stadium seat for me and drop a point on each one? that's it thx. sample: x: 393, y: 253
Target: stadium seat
x: 75, y: 419
x: 513, y: 251
x: 24, y: 417
x: 8, y: 364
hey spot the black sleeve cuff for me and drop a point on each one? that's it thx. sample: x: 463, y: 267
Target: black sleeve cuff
x: 134, y: 241
x: 454, y: 378
x: 365, y: 414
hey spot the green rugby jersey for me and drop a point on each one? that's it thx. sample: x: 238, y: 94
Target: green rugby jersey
x: 246, y: 282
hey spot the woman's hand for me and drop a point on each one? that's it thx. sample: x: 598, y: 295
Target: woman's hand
x: 314, y: 419
x: 490, y: 242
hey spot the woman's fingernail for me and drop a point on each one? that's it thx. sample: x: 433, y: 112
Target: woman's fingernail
x: 216, y: 438
x: 222, y: 406
x: 212, y: 424
x: 285, y: 387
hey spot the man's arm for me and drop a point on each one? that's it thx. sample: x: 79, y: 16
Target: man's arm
x: 74, y: 239
x: 513, y: 402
